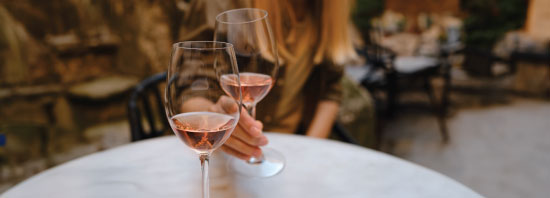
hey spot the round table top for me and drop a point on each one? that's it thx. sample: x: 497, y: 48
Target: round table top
x: 164, y: 167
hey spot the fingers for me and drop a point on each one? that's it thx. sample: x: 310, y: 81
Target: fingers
x: 250, y: 125
x: 235, y: 153
x: 247, y: 136
x: 244, y: 136
x: 215, y: 108
x: 242, y: 145
x: 243, y: 148
x: 228, y: 104
x: 224, y: 105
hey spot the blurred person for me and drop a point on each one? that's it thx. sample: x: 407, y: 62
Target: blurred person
x: 314, y: 42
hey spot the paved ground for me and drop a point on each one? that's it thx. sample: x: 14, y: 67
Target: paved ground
x: 500, y: 150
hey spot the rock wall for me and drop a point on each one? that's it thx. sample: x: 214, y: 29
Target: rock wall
x: 59, y: 62
x: 106, y: 37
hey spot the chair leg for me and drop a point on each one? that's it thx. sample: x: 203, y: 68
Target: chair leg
x: 379, y: 133
x: 344, y: 134
x: 445, y: 93
x: 379, y: 123
x: 392, y: 95
x: 436, y: 110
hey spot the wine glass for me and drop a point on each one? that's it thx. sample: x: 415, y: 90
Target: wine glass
x: 249, y: 31
x: 198, y: 109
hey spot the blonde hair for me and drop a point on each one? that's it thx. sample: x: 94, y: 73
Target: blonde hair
x: 325, y: 26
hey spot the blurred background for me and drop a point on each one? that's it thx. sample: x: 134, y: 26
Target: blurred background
x: 480, y: 113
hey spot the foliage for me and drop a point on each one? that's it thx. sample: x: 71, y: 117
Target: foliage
x: 488, y: 21
x: 364, y: 11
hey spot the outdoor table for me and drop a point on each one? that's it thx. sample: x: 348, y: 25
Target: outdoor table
x: 164, y: 167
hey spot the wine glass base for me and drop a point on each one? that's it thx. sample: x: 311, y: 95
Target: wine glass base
x: 273, y: 164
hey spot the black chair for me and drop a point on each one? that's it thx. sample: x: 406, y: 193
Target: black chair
x: 141, y: 107
x: 146, y: 103
x: 387, y: 76
x: 481, y: 62
x: 532, y: 57
x: 343, y: 134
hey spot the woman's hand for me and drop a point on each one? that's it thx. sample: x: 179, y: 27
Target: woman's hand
x: 246, y: 139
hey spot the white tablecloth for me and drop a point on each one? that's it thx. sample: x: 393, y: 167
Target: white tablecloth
x: 164, y: 167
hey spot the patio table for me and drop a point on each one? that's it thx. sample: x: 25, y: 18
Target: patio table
x: 164, y: 167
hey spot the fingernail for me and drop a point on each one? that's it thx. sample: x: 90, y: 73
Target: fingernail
x: 263, y: 141
x: 259, y: 124
x: 257, y: 132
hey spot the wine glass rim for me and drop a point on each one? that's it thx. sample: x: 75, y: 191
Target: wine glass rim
x: 188, y: 44
x: 264, y: 15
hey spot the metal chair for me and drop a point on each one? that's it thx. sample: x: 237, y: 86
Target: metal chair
x: 481, y: 62
x: 141, y: 107
x: 531, y: 57
x: 383, y: 61
x: 343, y: 134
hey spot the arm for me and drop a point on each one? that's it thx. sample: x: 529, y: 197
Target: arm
x: 326, y: 110
x: 324, y: 118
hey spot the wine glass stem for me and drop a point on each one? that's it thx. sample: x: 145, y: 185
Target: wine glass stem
x: 205, y: 183
x: 252, y: 112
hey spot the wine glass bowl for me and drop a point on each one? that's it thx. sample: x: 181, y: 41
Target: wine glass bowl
x: 203, y: 132
x: 249, y: 31
x: 255, y: 86
x: 200, y: 112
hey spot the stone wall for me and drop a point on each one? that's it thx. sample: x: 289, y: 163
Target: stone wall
x: 66, y: 68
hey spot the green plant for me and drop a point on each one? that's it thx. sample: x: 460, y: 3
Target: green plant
x: 364, y: 11
x: 488, y: 21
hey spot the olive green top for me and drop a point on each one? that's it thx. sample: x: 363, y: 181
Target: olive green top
x: 297, y: 91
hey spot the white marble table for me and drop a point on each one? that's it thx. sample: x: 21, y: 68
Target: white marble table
x: 163, y: 167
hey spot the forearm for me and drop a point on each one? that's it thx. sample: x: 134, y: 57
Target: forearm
x: 325, y: 115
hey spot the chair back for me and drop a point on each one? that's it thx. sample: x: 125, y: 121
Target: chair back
x: 146, y: 109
